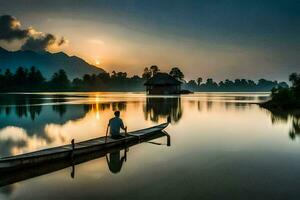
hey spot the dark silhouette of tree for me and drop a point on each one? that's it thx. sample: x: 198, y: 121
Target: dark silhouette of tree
x: 103, y: 76
x: 20, y: 77
x: 154, y: 69
x: 121, y: 75
x: 199, y: 81
x: 210, y: 84
x: 33, y: 80
x: 176, y: 73
x: 113, y: 74
x: 238, y: 85
x: 8, y: 80
x: 146, y: 74
x: 1, y: 78
x: 60, y: 80
x: 251, y: 84
x: 192, y: 85
x: 284, y: 97
x: 295, y: 79
x: 77, y: 83
x: 35, y: 77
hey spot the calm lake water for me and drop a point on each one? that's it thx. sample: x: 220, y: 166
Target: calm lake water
x: 223, y: 146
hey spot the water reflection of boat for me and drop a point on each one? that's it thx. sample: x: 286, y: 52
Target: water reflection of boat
x: 17, y: 175
x: 75, y: 149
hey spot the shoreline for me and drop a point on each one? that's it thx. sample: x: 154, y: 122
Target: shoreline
x: 268, y: 105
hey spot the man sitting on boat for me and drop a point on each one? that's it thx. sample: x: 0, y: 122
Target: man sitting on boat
x: 115, y: 124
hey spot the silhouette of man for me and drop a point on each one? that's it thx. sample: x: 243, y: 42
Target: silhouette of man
x: 114, y: 125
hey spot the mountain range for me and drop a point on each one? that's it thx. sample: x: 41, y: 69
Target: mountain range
x: 46, y: 62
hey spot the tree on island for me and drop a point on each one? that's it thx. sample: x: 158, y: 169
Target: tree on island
x: 295, y: 79
x: 150, y: 72
x: 286, y: 98
x: 154, y: 69
x: 146, y: 74
x: 176, y: 73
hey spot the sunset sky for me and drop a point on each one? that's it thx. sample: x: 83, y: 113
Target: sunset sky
x: 207, y: 38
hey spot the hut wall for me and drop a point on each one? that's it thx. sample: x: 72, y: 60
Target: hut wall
x: 163, y: 89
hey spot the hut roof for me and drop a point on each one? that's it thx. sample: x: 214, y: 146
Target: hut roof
x: 162, y: 79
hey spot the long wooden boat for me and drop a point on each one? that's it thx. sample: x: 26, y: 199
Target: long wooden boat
x: 70, y: 151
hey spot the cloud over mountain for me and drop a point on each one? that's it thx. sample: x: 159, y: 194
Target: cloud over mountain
x: 10, y: 29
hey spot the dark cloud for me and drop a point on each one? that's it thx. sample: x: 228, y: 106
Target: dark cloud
x: 10, y: 29
x: 41, y: 42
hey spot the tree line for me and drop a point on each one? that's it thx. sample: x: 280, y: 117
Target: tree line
x: 237, y: 85
x: 33, y: 80
x: 24, y: 79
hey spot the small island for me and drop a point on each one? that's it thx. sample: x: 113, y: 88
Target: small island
x: 285, y: 99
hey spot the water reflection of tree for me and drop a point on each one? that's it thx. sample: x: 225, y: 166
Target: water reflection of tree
x: 157, y: 108
x: 61, y: 109
x: 35, y: 111
x: 295, y: 130
x: 7, y: 110
x: 35, y: 107
x: 121, y: 106
x: 285, y: 117
x: 118, y: 106
x: 58, y: 105
x: 23, y: 105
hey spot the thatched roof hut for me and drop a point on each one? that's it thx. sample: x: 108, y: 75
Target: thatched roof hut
x: 163, y: 83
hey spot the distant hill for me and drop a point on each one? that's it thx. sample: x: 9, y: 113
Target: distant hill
x: 46, y: 62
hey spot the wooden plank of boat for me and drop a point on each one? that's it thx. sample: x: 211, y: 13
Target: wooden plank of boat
x: 81, y: 148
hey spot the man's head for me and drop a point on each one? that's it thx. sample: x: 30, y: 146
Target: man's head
x: 117, y: 113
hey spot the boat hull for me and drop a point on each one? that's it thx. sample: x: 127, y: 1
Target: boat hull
x: 67, y: 152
